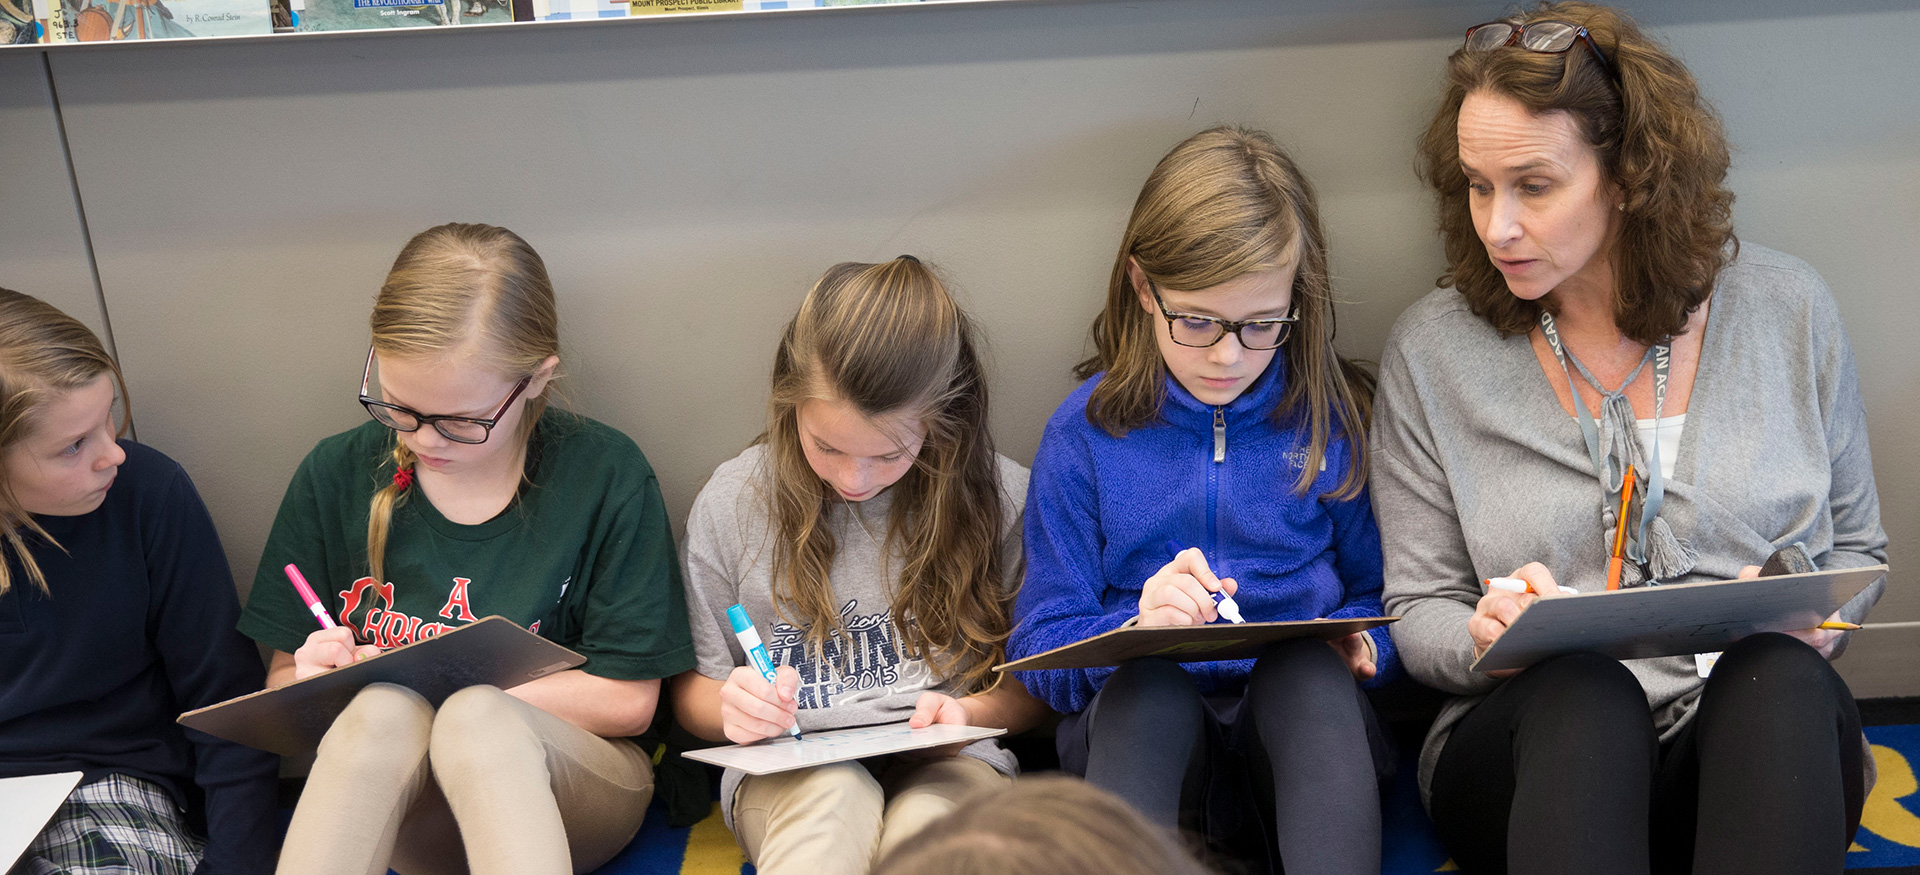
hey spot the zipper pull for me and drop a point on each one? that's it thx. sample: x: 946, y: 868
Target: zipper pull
x: 1219, y: 434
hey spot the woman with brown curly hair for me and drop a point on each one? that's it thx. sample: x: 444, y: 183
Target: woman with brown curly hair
x: 1600, y: 329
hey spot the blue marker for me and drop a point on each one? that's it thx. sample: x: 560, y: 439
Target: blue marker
x: 756, y: 652
x: 1221, y: 600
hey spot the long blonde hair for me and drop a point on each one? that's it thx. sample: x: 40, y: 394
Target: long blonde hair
x: 1224, y: 203
x: 889, y: 340
x: 461, y: 287
x: 43, y: 353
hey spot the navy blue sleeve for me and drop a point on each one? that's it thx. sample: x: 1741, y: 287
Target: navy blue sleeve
x: 206, y: 660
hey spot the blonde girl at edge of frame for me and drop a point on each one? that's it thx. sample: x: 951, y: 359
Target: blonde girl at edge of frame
x: 116, y: 612
x: 467, y: 496
x: 872, y: 535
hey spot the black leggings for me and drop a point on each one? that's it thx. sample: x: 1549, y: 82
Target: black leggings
x: 1301, y: 749
x: 1560, y: 771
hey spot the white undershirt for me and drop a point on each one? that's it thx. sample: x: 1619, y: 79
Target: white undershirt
x: 1667, y: 429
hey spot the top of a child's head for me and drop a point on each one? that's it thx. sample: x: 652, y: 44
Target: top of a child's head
x: 1046, y: 825
x: 43, y: 352
x: 471, y: 293
x: 1224, y: 203
x: 885, y: 338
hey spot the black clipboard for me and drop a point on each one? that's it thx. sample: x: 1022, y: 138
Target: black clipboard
x: 290, y: 720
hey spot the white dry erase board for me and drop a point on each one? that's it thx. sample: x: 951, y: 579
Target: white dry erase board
x: 1673, y: 620
x: 26, y: 805
x: 785, y: 753
x: 290, y: 720
x: 1213, y: 641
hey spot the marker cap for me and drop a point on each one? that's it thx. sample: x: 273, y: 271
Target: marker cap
x: 737, y: 616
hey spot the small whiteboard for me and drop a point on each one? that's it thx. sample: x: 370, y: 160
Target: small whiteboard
x: 27, y: 804
x: 786, y: 753
x: 1673, y: 620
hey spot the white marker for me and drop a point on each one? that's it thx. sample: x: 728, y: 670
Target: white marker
x: 1515, y: 584
x: 1221, y: 601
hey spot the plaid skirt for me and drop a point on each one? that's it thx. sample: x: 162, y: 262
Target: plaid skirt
x: 118, y: 825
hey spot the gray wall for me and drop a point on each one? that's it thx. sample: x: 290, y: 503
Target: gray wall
x: 687, y: 179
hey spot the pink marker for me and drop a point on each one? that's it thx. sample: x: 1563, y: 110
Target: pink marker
x: 306, y: 595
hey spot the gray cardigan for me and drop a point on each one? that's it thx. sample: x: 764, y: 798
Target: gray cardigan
x: 1477, y: 470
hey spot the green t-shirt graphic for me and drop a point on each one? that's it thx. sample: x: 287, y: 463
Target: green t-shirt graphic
x: 583, y: 556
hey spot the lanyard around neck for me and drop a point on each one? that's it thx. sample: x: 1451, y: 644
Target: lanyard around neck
x: 1608, y: 462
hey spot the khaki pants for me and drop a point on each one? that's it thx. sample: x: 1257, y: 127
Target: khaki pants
x: 838, y: 819
x: 397, y: 784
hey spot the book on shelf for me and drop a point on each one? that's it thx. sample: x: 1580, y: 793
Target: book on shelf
x: 669, y: 7
x: 568, y: 10
x: 103, y: 20
x: 315, y: 15
x: 21, y: 22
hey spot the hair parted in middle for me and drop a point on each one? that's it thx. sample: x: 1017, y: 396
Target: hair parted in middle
x: 890, y: 341
x: 1224, y: 203
x: 1658, y: 141
x: 476, y: 291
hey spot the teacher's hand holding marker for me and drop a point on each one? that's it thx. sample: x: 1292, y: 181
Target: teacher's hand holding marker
x: 331, y: 647
x: 1506, y: 597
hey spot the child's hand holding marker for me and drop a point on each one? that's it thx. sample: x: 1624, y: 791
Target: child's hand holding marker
x: 1505, y: 598
x: 1186, y: 592
x: 753, y: 708
x: 331, y: 647
x: 758, y: 700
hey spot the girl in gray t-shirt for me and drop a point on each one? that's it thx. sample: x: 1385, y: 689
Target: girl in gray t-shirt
x: 872, y: 534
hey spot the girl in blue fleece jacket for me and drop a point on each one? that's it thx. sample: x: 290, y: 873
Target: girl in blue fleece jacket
x: 1191, y: 429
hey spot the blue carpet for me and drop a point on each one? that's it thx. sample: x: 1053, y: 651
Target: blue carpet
x: 1888, y: 842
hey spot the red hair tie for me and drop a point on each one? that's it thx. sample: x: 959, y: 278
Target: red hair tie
x: 403, y: 478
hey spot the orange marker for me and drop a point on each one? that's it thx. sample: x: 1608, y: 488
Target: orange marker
x: 1620, y: 532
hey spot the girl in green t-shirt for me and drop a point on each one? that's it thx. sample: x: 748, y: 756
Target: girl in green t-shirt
x: 463, y: 498
x: 873, y: 534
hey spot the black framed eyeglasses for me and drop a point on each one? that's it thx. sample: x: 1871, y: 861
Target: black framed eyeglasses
x: 459, y: 429
x: 1191, y: 329
x: 1545, y: 37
